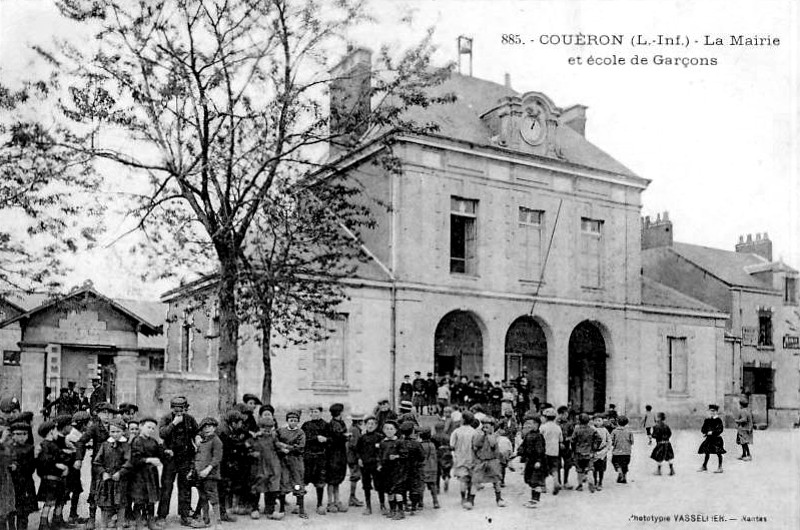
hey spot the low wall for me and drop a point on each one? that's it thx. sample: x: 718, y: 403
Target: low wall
x: 783, y: 418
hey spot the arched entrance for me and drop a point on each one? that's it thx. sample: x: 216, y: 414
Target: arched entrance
x: 526, y: 347
x: 587, y: 368
x: 458, y: 345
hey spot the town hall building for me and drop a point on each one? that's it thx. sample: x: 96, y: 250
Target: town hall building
x: 511, y: 241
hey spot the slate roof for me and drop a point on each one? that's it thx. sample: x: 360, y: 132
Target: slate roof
x: 659, y: 295
x: 726, y: 265
x: 461, y: 121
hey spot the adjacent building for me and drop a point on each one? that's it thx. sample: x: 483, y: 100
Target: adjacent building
x: 70, y: 340
x: 512, y: 241
x: 761, y: 347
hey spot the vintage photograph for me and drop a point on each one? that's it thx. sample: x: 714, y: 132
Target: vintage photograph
x: 425, y: 263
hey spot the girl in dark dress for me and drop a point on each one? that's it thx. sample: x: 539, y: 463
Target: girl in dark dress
x: 146, y: 455
x: 23, y: 465
x: 713, y: 444
x: 336, y: 458
x: 661, y: 433
x: 111, y: 466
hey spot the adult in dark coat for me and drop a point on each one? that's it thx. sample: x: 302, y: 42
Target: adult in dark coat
x: 177, y: 430
x: 713, y: 443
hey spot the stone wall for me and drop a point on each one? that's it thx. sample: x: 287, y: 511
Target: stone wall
x: 156, y: 389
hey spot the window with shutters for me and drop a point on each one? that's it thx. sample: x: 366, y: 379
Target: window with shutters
x: 463, y: 236
x: 765, y: 327
x: 330, y: 355
x: 591, y: 252
x: 530, y: 228
x: 677, y: 365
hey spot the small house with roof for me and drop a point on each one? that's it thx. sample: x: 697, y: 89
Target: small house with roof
x: 55, y: 342
x: 512, y: 242
x: 761, y: 348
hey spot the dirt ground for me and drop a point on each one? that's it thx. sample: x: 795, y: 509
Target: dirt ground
x: 765, y: 490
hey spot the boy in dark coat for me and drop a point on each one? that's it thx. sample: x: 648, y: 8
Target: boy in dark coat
x: 532, y: 453
x: 146, y: 455
x: 391, y: 468
x: 585, y: 441
x: 429, y: 467
x: 207, y: 463
x: 336, y: 458
x: 713, y: 444
x: 111, y: 465
x: 265, y: 471
x: 234, y: 437
x: 317, y: 433
x: 444, y: 455
x: 353, y: 435
x: 292, y: 444
x: 412, y: 491
x: 52, y: 469
x: 96, y: 434
x: 368, y: 451
x: 23, y: 465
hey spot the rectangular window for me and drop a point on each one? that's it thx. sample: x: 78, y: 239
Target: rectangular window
x: 764, y: 328
x: 529, y: 243
x: 677, y: 364
x: 11, y: 358
x: 330, y: 355
x: 591, y: 252
x: 463, y: 236
x: 186, y: 345
x: 790, y: 290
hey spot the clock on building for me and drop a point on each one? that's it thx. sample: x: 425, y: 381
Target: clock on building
x: 532, y: 127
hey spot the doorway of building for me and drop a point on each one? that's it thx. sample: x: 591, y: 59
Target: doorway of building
x: 458, y: 345
x: 758, y: 380
x: 526, y: 348
x: 587, y: 368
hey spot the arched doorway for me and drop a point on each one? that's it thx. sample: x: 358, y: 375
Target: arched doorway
x: 526, y: 347
x: 587, y: 368
x: 458, y: 345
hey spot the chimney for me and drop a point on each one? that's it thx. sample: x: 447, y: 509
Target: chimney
x: 761, y: 245
x: 575, y: 118
x: 656, y: 233
x: 508, y: 80
x: 350, y: 93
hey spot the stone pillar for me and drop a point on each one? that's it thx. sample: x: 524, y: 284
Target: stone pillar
x: 494, y: 355
x: 127, y: 366
x: 32, y: 361
x: 558, y: 367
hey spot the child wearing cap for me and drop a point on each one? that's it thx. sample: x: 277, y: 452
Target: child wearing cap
x: 292, y: 443
x: 553, y: 441
x: 585, y: 441
x: 317, y: 436
x: 52, y: 469
x: 392, y: 469
x: 265, y: 471
x: 429, y: 467
x: 353, y: 435
x: 487, y: 467
x: 744, y: 429
x: 663, y: 449
x: 336, y: 458
x: 368, y: 449
x: 712, y: 444
x: 96, y: 434
x: 80, y: 421
x: 207, y: 463
x: 463, y: 457
x: 23, y: 464
x: 532, y: 453
x: 414, y: 487
x: 72, y: 482
x: 147, y: 454
x: 111, y: 464
x: 601, y: 452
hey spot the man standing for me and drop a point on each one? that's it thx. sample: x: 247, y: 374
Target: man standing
x: 177, y: 430
x: 430, y: 393
x: 420, y: 388
x: 406, y: 388
x: 523, y: 394
x: 98, y: 393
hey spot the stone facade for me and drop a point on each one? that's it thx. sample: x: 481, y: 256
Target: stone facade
x: 514, y: 250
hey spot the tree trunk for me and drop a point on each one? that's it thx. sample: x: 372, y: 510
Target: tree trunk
x: 228, y: 336
x: 266, y: 359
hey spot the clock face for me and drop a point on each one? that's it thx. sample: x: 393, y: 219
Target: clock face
x: 532, y: 129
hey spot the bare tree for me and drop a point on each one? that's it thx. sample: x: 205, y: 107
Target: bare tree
x: 223, y: 107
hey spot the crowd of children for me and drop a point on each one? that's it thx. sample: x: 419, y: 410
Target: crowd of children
x: 247, y: 457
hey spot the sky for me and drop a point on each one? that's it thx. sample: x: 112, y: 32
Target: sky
x: 719, y: 143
